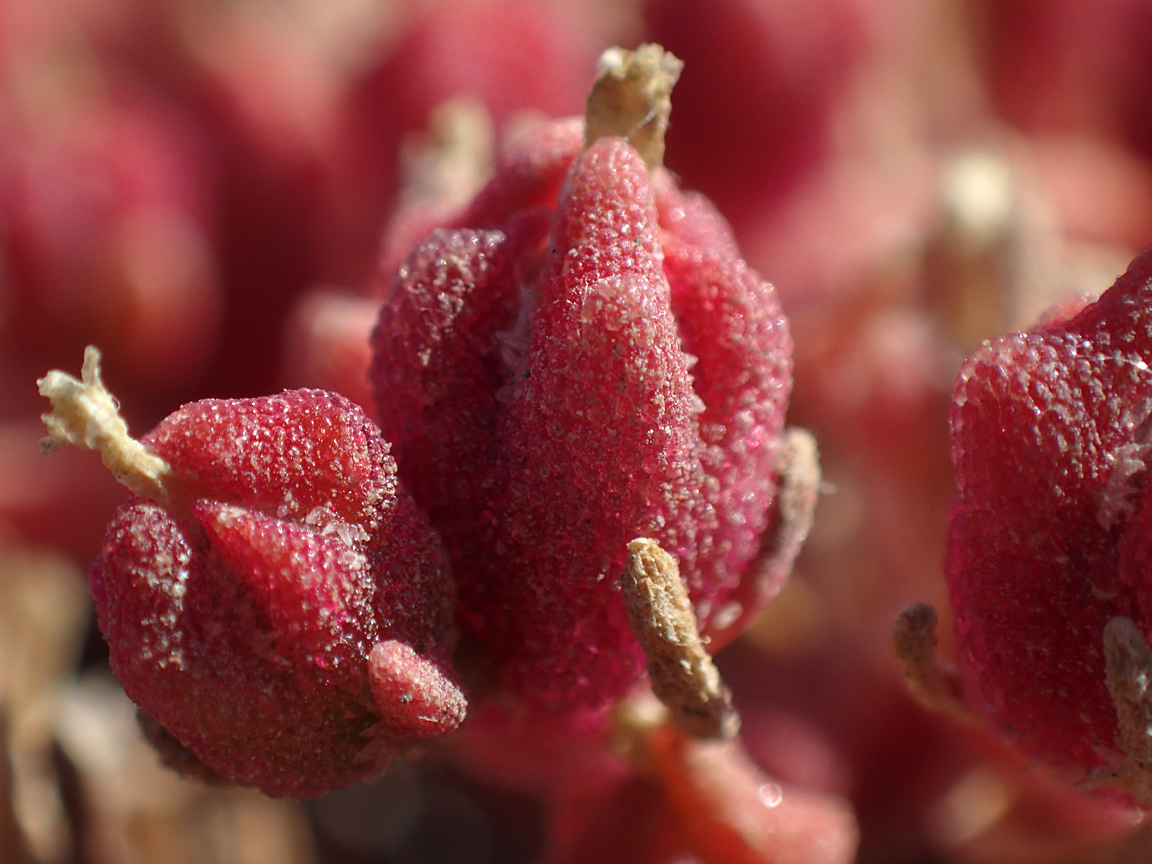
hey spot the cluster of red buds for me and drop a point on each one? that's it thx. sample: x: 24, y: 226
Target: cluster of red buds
x: 579, y: 488
x: 540, y: 475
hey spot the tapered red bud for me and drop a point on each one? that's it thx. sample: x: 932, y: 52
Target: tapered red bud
x: 278, y: 606
x: 1048, y: 563
x: 579, y: 359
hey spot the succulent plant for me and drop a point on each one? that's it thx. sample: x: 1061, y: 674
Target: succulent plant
x: 588, y: 477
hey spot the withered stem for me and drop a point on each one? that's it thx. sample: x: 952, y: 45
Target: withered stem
x: 630, y: 99
x: 1128, y: 674
x: 85, y: 415
x: 682, y: 674
x: 933, y: 682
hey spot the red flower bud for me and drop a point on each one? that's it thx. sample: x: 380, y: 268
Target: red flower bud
x: 279, y: 606
x: 1048, y: 561
x: 559, y: 376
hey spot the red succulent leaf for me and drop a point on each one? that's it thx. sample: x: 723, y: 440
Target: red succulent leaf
x: 1049, y: 440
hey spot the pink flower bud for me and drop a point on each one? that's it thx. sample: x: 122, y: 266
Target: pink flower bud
x: 1048, y: 561
x: 287, y: 614
x: 561, y: 376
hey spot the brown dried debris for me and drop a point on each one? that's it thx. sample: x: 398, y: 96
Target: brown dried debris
x: 631, y: 99
x: 933, y: 682
x: 85, y: 415
x: 683, y: 676
x: 1128, y: 671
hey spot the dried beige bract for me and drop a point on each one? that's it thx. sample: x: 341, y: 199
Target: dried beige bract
x: 87, y: 416
x: 929, y: 679
x: 630, y: 99
x: 1128, y: 665
x: 683, y: 675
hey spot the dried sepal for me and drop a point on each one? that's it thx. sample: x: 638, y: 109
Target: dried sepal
x: 681, y: 672
x: 797, y: 495
x: 1128, y: 667
x: 799, y: 492
x: 85, y: 415
x: 631, y: 99
x: 933, y: 682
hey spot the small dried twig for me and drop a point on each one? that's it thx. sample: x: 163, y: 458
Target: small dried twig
x: 631, y: 99
x: 683, y: 675
x: 1128, y: 671
x: 800, y: 484
x: 85, y: 415
x: 934, y: 683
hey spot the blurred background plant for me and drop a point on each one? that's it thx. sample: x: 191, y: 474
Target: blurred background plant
x: 201, y: 187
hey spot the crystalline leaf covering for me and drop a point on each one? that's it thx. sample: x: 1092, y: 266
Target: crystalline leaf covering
x: 1049, y: 533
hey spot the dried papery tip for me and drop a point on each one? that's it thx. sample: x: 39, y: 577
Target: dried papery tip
x: 1128, y: 670
x: 85, y: 415
x: 448, y: 165
x: 630, y: 99
x: 934, y: 683
x: 800, y: 484
x: 683, y: 676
